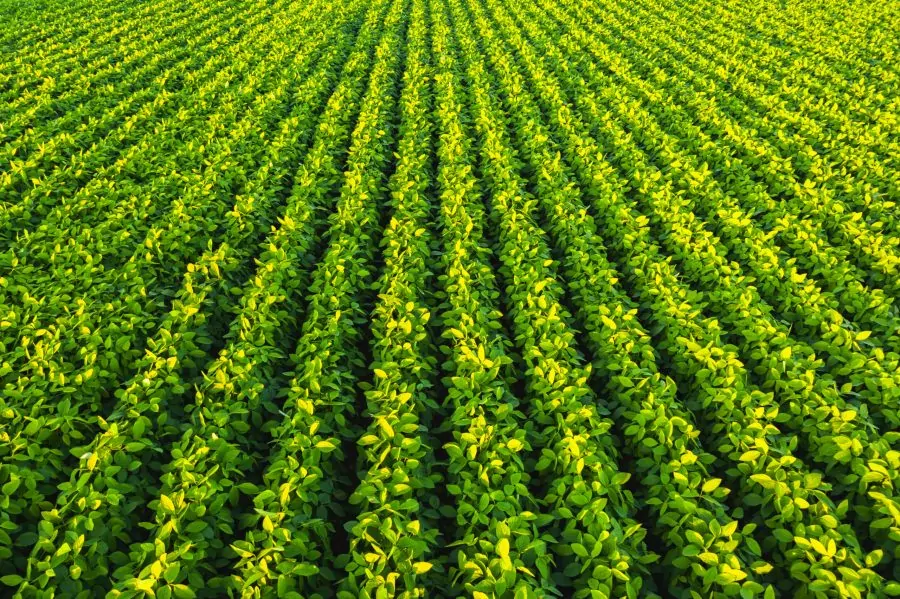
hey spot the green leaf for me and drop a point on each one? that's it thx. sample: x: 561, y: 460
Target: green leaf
x: 782, y: 535
x: 306, y: 570
x: 171, y: 572
x: 326, y: 446
x: 711, y: 485
x: 167, y: 505
x: 763, y: 479
x: 182, y: 591
x: 195, y: 527
x: 12, y: 580
x: 874, y: 558
x: 579, y: 549
x: 368, y: 440
x: 749, y: 456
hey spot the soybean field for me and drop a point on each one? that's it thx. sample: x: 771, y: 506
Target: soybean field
x: 449, y: 298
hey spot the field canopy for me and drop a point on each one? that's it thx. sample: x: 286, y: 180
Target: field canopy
x: 449, y: 298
